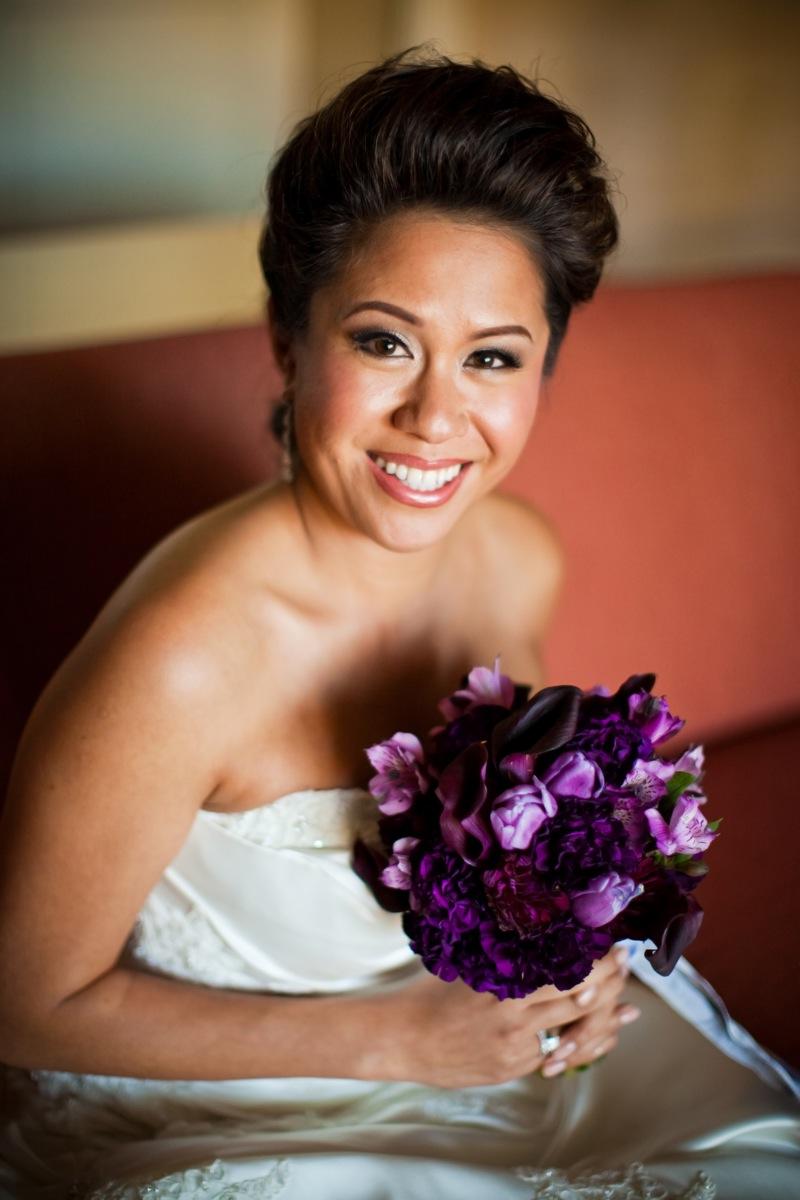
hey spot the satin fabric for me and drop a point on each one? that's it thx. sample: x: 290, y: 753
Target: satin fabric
x: 266, y: 900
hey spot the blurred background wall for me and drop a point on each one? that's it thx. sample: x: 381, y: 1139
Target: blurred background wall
x: 135, y: 135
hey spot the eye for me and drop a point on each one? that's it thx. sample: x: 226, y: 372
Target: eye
x: 507, y: 359
x: 380, y: 343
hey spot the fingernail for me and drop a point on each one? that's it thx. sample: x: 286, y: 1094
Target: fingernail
x: 621, y: 955
x: 586, y: 997
x: 553, y: 1068
x: 598, y: 1052
x: 629, y: 1014
x: 564, y: 1051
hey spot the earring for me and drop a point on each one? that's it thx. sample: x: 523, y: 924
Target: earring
x: 287, y: 438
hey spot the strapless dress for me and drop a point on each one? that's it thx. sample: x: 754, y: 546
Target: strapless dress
x: 688, y: 1105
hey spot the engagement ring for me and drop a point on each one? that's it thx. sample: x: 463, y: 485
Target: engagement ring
x: 549, y: 1040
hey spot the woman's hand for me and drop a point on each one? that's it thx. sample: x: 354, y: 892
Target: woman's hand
x: 447, y: 1035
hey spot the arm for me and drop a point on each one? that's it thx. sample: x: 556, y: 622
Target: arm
x: 122, y: 749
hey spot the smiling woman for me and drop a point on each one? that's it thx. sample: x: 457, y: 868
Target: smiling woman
x: 200, y: 995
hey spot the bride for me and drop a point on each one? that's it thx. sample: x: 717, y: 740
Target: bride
x: 200, y: 997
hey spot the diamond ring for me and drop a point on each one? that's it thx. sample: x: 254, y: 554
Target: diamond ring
x: 549, y: 1040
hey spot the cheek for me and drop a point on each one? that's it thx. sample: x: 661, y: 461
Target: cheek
x: 335, y: 399
x: 509, y: 419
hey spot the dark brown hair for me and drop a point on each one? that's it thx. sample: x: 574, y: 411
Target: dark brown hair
x: 421, y: 130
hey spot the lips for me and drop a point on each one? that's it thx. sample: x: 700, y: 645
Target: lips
x: 406, y: 495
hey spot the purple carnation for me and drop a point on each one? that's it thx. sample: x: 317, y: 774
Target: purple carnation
x: 580, y: 842
x: 614, y: 743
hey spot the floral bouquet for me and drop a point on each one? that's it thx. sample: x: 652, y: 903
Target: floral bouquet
x: 530, y: 834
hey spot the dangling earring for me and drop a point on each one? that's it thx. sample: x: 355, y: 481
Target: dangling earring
x: 287, y: 437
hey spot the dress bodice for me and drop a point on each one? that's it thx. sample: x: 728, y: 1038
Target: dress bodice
x: 266, y: 899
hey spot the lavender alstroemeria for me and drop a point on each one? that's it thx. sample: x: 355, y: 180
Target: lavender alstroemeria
x: 485, y: 686
x: 573, y: 774
x: 518, y: 813
x: 648, y: 779
x: 400, y: 777
x: 398, y: 873
x: 602, y: 898
x: 693, y: 762
x: 687, y: 831
x: 652, y: 715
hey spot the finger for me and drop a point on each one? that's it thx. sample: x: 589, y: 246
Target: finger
x: 587, y: 1039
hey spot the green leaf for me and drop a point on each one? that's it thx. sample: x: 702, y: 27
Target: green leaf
x: 714, y: 825
x: 678, y: 784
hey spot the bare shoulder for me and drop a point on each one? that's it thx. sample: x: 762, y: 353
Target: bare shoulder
x: 173, y: 642
x: 526, y: 559
x: 516, y: 575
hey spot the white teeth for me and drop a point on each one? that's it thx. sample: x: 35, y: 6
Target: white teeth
x: 416, y: 478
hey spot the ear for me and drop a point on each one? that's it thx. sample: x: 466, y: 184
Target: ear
x: 280, y: 343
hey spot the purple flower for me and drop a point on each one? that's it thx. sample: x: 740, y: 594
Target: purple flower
x: 613, y: 742
x: 652, y: 715
x: 521, y: 900
x: 603, y: 898
x: 519, y: 811
x: 580, y: 842
x: 693, y: 761
x: 400, y: 777
x: 518, y: 766
x: 648, y: 779
x: 484, y: 686
x: 687, y: 832
x: 464, y: 821
x: 398, y: 874
x: 573, y: 774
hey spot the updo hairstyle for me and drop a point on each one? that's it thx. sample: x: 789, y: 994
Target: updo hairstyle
x: 420, y: 130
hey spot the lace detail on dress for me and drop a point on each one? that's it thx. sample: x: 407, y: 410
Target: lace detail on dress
x: 323, y: 818
x: 630, y: 1183
x: 174, y: 937
x: 203, y: 1183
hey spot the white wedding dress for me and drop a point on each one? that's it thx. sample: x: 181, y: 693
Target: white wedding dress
x: 266, y: 900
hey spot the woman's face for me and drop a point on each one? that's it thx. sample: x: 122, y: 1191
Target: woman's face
x: 423, y: 356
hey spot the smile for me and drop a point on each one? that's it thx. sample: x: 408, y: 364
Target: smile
x: 415, y: 485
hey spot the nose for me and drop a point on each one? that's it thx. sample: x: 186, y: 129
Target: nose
x: 432, y: 410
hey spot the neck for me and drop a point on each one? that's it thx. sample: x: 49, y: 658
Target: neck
x: 350, y: 574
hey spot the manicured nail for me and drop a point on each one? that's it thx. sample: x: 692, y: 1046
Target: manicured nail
x: 564, y: 1051
x: 629, y: 1014
x: 586, y: 997
x: 598, y: 1051
x: 553, y: 1068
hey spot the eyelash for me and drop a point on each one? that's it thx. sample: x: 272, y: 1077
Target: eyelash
x: 364, y: 336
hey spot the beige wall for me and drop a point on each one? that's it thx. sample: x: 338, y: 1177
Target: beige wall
x: 147, y: 127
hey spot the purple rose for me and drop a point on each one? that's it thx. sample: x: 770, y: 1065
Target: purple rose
x: 652, y: 715
x: 398, y: 873
x: 573, y: 774
x: 602, y: 898
x: 687, y: 832
x: 519, y: 811
x: 521, y: 900
x: 400, y: 777
x: 484, y: 686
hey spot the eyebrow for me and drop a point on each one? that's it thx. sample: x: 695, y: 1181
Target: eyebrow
x: 395, y: 310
